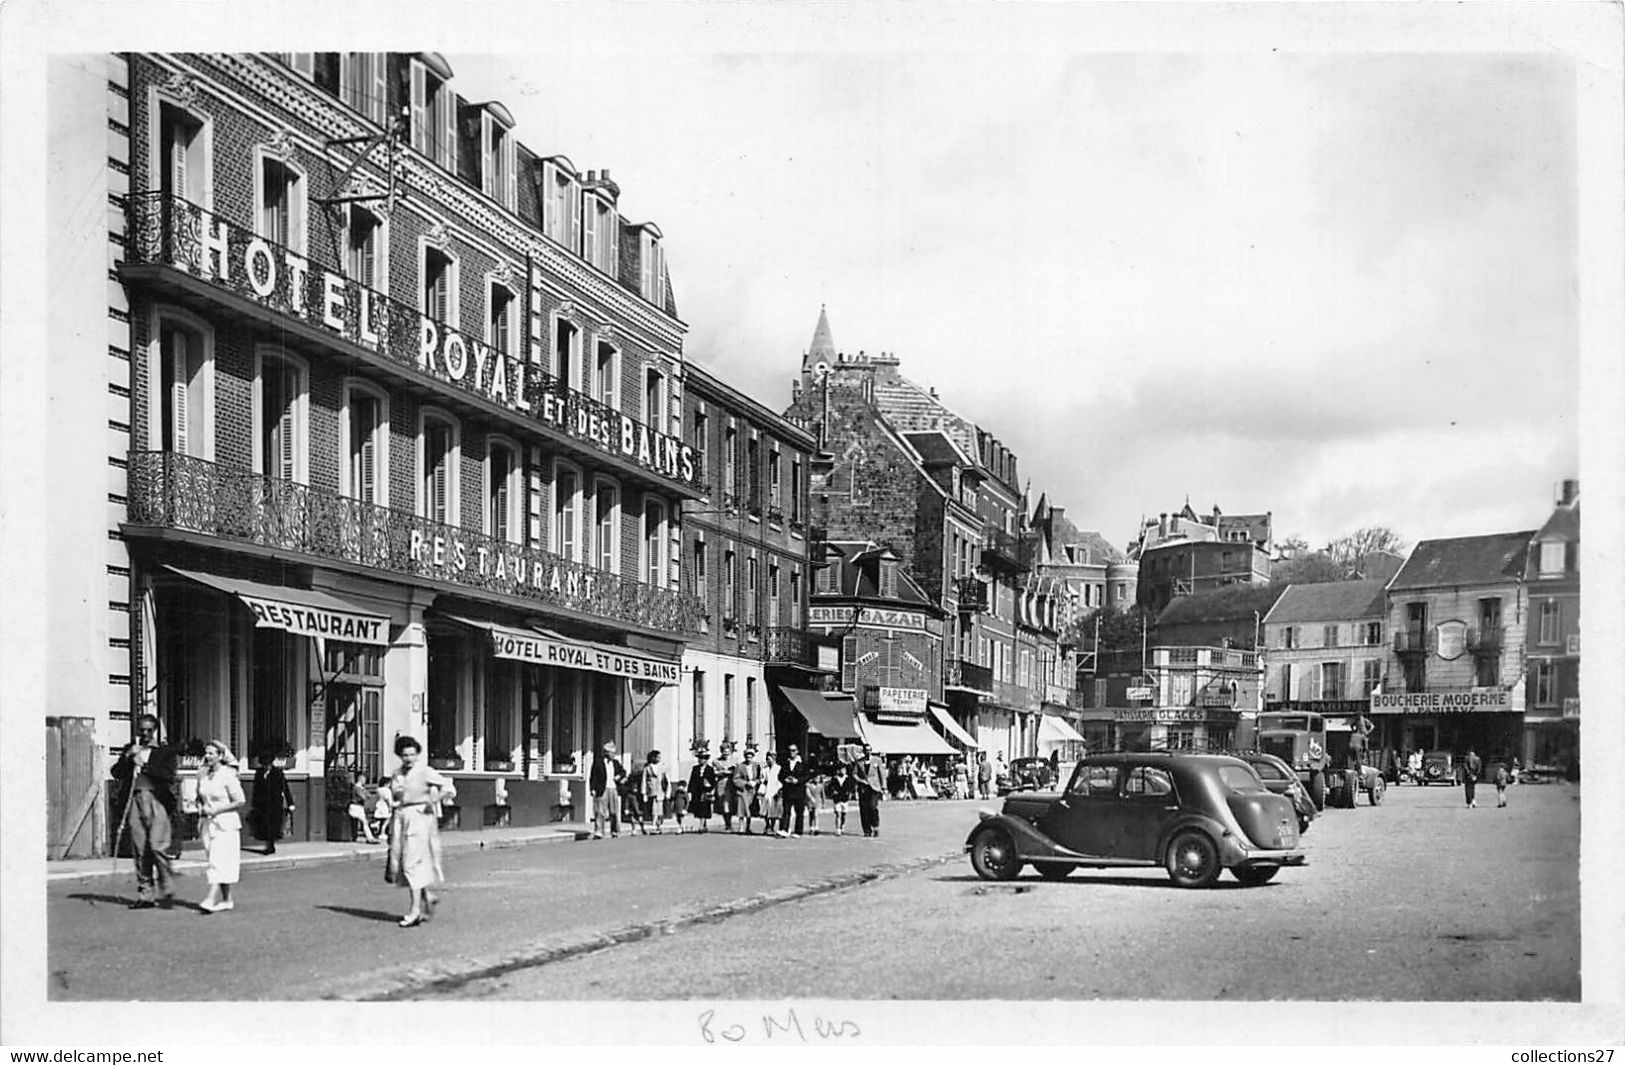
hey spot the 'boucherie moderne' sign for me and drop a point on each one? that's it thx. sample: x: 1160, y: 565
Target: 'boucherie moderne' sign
x: 571, y: 654
x: 1441, y: 702
x: 288, y: 283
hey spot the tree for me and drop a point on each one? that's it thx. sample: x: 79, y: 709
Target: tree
x: 1120, y: 630
x: 1307, y: 567
x: 1349, y: 551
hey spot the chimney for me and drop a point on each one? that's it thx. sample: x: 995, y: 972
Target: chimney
x: 1571, y: 491
x: 1162, y: 524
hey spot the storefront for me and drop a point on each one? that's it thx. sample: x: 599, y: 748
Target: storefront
x: 815, y: 721
x: 1175, y: 727
x: 1486, y: 720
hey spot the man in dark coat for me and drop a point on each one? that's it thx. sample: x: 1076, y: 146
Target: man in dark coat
x: 147, y: 773
x: 1471, y: 770
x: 871, y: 778
x: 793, y: 774
x: 604, y: 781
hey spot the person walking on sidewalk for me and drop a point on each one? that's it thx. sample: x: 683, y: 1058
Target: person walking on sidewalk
x: 871, y: 781
x: 655, y: 785
x: 748, y: 787
x: 841, y: 788
x: 1470, y: 771
x: 219, y: 797
x: 772, y: 804
x: 1501, y: 778
x: 724, y: 766
x: 416, y: 794
x: 632, y: 797
x: 272, y: 800
x: 793, y: 791
x: 604, y: 783
x: 147, y: 771
x: 984, y: 777
x: 702, y: 789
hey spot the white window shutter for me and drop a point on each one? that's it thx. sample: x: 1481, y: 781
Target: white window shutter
x: 573, y: 198
x: 510, y: 172
x: 646, y: 262
x: 378, y: 87
x: 368, y: 488
x: 177, y: 161
x: 487, y: 154
x: 180, y: 366
x: 589, y: 247
x: 550, y: 205
x: 612, y: 261
x: 421, y: 140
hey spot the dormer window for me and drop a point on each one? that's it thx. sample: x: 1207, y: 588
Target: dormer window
x: 1553, y: 558
x: 497, y: 155
x: 888, y: 578
x: 561, y: 204
x: 652, y: 265
x: 361, y: 80
x: 432, y: 109
x: 600, y: 236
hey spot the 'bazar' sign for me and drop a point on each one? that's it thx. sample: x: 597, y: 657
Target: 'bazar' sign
x: 869, y: 617
x: 571, y: 654
x: 276, y: 277
x: 1441, y: 702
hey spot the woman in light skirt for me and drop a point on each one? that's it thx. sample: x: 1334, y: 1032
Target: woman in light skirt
x: 416, y: 794
x: 219, y: 797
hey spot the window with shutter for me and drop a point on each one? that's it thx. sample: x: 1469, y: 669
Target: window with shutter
x: 607, y: 501
x: 589, y: 246
x: 499, y: 331
x: 501, y: 470
x: 177, y: 375
x: 849, y: 663
x: 566, y: 500
x: 651, y: 399
x: 604, y: 386
x: 729, y: 574
x: 646, y: 266
x: 439, y: 286
x: 181, y: 155
x: 363, y: 241
x: 654, y: 543
x: 422, y: 132
x: 440, y: 449
x: 566, y: 338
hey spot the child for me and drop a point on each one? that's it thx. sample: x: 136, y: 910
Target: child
x: 1501, y: 779
x: 360, y: 809
x: 840, y: 791
x: 679, y: 804
x: 381, y: 810
x: 815, y: 799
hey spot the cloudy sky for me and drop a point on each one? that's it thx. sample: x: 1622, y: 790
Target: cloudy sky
x: 1336, y: 286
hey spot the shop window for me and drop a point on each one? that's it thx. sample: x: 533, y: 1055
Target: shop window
x: 438, y: 271
x: 445, y: 675
x: 1181, y: 739
x: 365, y: 427
x: 281, y: 197
x: 432, y: 103
x: 567, y: 698
x: 654, y: 542
x: 439, y: 459
x: 567, y: 504
x: 607, y: 526
x: 277, y: 665
x: 281, y: 416
x: 181, y: 415
x: 503, y: 494
x: 366, y: 257
x: 750, y: 710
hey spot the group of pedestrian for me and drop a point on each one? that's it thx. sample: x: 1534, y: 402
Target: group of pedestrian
x: 786, y: 793
x: 148, y: 774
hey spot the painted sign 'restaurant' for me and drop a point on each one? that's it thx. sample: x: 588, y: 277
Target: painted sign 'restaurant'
x: 312, y: 621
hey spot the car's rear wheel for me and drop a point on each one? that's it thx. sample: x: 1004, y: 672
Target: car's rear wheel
x: 1254, y: 875
x: 1317, y: 789
x: 993, y: 856
x: 1378, y: 792
x: 1053, y: 870
x: 1193, y: 860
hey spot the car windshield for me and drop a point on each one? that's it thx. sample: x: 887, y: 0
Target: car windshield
x: 1239, y: 778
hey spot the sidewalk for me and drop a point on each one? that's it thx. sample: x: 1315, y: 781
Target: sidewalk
x: 291, y: 854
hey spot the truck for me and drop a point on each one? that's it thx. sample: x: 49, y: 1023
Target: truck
x: 1322, y: 756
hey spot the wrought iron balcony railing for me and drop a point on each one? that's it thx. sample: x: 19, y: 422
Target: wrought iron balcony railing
x: 173, y: 491
x: 788, y: 645
x: 1057, y: 694
x: 1019, y: 696
x: 1485, y: 641
x: 963, y: 674
x: 1007, y: 550
x: 775, y: 516
x: 165, y: 230
x: 1410, y: 641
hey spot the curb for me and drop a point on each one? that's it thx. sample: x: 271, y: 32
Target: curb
x: 420, y: 980
x: 188, y: 866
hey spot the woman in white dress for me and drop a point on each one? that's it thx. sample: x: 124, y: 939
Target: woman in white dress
x: 416, y: 793
x: 219, y: 797
x: 771, y: 807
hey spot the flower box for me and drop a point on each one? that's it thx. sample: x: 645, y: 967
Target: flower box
x: 444, y: 761
x: 499, y: 765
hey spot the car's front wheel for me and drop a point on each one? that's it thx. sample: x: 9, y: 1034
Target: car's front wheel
x: 1053, y: 870
x: 1378, y: 792
x: 993, y: 856
x: 1254, y: 875
x: 1193, y: 860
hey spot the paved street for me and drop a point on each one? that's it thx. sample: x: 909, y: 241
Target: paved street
x: 1420, y: 899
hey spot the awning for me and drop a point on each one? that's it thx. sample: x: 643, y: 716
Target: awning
x: 301, y: 611
x: 830, y: 718
x: 548, y: 648
x: 1052, y: 729
x: 950, y: 725
x: 918, y: 738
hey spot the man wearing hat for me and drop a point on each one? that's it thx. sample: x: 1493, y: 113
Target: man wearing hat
x: 147, y: 775
x: 747, y: 785
x: 604, y: 782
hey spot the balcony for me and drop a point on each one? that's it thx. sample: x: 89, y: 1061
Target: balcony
x: 972, y: 595
x: 789, y: 646
x: 1410, y: 641
x: 172, y: 491
x: 1057, y: 694
x: 178, y: 245
x: 1485, y: 643
x: 963, y: 674
x: 1006, y: 550
x: 1016, y: 696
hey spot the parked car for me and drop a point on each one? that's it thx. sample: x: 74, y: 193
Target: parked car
x: 1438, y: 767
x: 1026, y: 774
x: 1194, y: 815
x: 1279, y: 778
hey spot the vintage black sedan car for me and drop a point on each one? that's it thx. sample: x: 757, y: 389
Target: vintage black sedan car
x: 1026, y: 774
x: 1193, y: 814
x: 1279, y: 778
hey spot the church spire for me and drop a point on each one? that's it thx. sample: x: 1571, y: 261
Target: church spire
x: 822, y: 348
